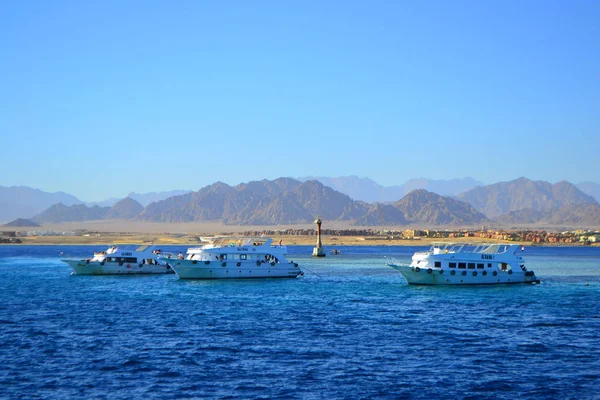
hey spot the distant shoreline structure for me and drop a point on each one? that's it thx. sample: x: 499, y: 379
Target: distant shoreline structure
x: 306, y: 236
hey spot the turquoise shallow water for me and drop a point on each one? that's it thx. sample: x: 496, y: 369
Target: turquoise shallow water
x: 351, y: 328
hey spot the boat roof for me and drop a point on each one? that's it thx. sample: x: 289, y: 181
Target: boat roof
x: 213, y: 239
x: 239, y: 244
x: 461, y: 247
x: 117, y: 250
x: 220, y: 241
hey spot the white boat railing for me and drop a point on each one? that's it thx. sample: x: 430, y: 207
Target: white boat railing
x: 470, y: 248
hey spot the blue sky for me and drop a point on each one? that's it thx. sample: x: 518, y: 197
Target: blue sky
x: 99, y: 98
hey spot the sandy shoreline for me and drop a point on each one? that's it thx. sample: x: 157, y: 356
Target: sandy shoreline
x: 103, y: 233
x: 329, y: 241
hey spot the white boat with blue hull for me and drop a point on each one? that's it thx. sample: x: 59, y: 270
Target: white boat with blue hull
x: 118, y: 260
x: 466, y: 264
x: 236, y: 258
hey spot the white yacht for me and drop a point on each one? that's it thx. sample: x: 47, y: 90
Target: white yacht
x: 121, y: 261
x: 236, y: 258
x: 466, y: 264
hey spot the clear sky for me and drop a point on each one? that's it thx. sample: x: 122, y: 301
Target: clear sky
x: 100, y: 98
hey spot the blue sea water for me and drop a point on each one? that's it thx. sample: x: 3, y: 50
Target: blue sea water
x: 351, y: 328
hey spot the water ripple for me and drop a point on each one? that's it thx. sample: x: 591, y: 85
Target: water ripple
x: 352, y: 329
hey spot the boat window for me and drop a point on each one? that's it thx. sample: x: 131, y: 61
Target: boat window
x: 490, y: 265
x: 452, y: 265
x: 480, y: 266
x: 462, y: 265
x: 243, y: 256
x: 471, y: 265
x: 130, y: 260
x: 223, y: 257
x: 108, y: 259
x: 438, y: 264
x: 504, y: 266
x: 523, y: 267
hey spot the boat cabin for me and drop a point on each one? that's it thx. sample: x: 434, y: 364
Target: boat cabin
x: 258, y: 250
x: 465, y: 256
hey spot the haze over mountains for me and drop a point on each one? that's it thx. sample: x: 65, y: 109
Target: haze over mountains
x: 143, y: 198
x: 277, y: 202
x: 25, y: 202
x: 590, y: 188
x: 289, y: 201
x: 500, y: 198
x: 365, y: 189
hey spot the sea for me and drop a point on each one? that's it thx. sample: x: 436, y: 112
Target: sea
x: 351, y: 328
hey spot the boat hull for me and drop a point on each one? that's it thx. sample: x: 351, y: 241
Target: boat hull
x: 188, y: 269
x: 82, y: 267
x: 433, y: 276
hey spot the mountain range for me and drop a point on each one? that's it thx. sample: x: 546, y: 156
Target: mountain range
x: 277, y: 202
x: 291, y: 201
x: 25, y: 202
x: 143, y: 198
x: 573, y: 214
x: 127, y: 208
x: 590, y: 188
x: 365, y: 189
x: 20, y: 223
x: 503, y: 197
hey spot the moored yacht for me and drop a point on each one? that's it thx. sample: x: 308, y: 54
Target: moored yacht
x: 118, y: 260
x: 466, y: 264
x: 236, y: 258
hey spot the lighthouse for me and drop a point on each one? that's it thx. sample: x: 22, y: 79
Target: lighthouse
x: 318, y: 251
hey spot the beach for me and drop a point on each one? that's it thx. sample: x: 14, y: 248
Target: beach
x: 192, y: 234
x: 194, y: 239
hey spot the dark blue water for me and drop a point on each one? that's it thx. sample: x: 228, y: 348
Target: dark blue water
x: 351, y: 328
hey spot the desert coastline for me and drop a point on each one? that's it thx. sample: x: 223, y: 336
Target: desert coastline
x: 284, y: 209
x: 105, y: 232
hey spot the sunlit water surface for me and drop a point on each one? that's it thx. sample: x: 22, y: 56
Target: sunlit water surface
x: 351, y: 328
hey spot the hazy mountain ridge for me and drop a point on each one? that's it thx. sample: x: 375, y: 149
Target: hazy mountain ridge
x: 380, y: 214
x: 365, y: 189
x: 522, y: 193
x: 451, y: 187
x: 75, y: 213
x: 582, y: 215
x: 430, y: 209
x: 146, y: 198
x: 21, y: 222
x: 25, y: 202
x: 282, y: 201
x: 207, y: 204
x: 289, y: 201
x: 125, y: 209
x: 271, y: 203
x: 590, y: 188
x: 143, y: 198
